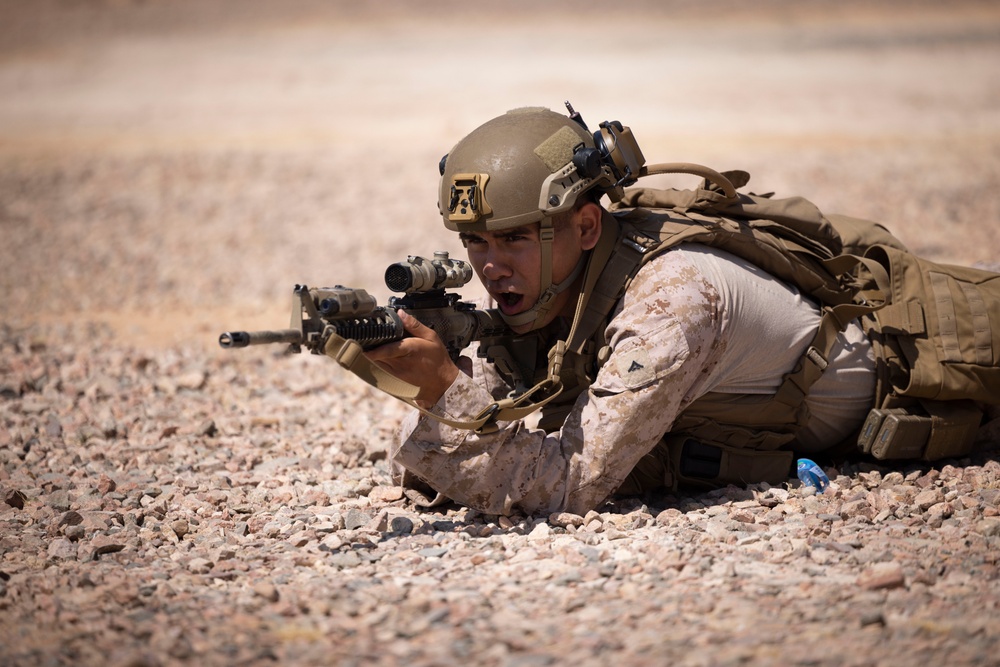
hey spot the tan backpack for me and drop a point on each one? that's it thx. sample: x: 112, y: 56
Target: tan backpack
x: 935, y: 328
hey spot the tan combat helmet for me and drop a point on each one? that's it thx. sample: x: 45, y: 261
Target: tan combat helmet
x: 527, y: 166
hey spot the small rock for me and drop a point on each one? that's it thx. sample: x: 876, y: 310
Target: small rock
x: 356, y: 519
x: 872, y: 618
x: 271, y: 529
x: 541, y: 531
x: 266, y: 590
x: 60, y: 500
x: 200, y: 565
x: 300, y: 539
x: 206, y: 429
x: 225, y: 553
x: 331, y: 543
x: 106, y: 485
x: 365, y: 486
x: 14, y: 498
x: 989, y: 527
x: 71, y: 518
x: 180, y: 527
x: 855, y: 508
x: 53, y: 428
x: 62, y: 549
x: 433, y: 552
x: 385, y: 494
x: 98, y: 546
x: 943, y: 509
x: 668, y: 516
x: 194, y: 380
x: 882, y: 576
x: 719, y: 529
x: 891, y: 479
x: 928, y: 498
x: 402, y: 525
x: 380, y: 523
x: 344, y: 559
x: 74, y: 533
x: 565, y: 519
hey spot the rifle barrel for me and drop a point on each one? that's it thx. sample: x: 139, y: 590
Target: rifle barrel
x: 231, y: 339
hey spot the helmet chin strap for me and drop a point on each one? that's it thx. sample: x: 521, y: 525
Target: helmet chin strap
x: 536, y: 314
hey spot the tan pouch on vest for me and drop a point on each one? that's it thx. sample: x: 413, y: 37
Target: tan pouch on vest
x: 929, y: 430
x: 938, y: 337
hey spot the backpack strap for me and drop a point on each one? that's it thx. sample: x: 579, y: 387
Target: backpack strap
x: 795, y: 385
x: 617, y: 257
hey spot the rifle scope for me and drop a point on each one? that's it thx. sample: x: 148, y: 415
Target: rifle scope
x: 418, y: 274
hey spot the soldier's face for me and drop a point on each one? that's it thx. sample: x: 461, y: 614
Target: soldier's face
x: 509, y: 264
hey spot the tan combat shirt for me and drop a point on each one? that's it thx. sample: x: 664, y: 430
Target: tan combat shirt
x: 693, y: 320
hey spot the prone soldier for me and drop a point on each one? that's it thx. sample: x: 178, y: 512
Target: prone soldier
x: 673, y: 337
x: 697, y: 337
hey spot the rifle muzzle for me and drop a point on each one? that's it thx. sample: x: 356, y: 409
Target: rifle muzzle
x: 231, y: 339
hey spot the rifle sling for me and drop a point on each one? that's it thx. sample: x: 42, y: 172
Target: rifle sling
x: 350, y: 355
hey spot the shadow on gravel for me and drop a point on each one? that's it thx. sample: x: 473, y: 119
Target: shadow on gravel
x: 841, y: 469
x: 631, y: 512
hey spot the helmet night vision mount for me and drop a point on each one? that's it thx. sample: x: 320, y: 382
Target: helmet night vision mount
x: 615, y: 149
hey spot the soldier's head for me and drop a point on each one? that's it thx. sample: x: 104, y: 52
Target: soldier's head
x: 522, y: 190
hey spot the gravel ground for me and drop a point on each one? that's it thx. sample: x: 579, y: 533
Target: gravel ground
x: 165, y: 502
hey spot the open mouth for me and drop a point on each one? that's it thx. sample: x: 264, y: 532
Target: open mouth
x: 509, y: 302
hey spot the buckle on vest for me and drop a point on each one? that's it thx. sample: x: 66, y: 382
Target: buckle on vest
x: 816, y: 357
x: 489, y: 413
x: 639, y: 242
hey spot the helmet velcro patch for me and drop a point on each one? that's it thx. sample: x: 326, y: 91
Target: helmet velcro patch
x: 557, y: 150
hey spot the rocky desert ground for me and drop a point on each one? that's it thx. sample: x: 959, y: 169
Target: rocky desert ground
x: 169, y: 170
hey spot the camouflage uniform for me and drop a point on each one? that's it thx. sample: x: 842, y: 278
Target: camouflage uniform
x: 694, y: 320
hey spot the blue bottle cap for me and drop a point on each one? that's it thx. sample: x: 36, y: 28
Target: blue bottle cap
x: 810, y: 474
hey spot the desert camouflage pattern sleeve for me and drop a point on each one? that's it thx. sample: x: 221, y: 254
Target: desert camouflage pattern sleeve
x: 664, y: 339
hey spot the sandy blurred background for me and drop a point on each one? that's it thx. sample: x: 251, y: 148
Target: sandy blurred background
x: 171, y: 169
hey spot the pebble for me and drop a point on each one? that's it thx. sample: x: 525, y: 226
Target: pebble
x: 882, y: 576
x: 355, y: 518
x: 180, y: 527
x: 13, y: 498
x: 565, y: 519
x: 267, y: 591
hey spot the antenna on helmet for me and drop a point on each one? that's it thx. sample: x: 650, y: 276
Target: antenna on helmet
x: 574, y: 115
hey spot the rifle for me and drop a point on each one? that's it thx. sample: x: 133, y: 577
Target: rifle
x: 321, y: 314
x: 341, y: 322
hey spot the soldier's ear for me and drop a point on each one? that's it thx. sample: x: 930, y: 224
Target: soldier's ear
x: 589, y: 218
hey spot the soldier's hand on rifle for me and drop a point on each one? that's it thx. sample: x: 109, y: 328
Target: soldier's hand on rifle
x: 420, y: 359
